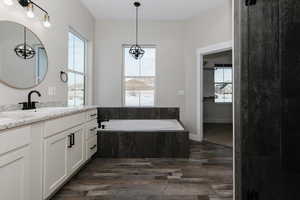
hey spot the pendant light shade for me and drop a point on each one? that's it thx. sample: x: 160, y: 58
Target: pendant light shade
x: 136, y: 50
x: 24, y: 50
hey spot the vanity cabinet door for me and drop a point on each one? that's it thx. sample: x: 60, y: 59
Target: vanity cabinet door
x: 14, y: 175
x: 77, y: 151
x: 55, y: 162
x: 91, y: 147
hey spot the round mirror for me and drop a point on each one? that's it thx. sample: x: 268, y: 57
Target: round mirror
x: 23, y: 57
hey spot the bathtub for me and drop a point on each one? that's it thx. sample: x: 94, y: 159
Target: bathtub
x: 142, y: 125
x: 143, y: 139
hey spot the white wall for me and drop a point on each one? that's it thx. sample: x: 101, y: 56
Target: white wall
x: 211, y: 27
x: 64, y: 14
x: 215, y: 112
x: 167, y: 36
x: 176, y: 42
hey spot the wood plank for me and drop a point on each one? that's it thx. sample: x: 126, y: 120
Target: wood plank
x: 261, y: 101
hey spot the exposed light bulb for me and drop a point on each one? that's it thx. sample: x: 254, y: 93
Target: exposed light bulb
x: 30, y: 12
x: 8, y: 2
x: 46, y: 21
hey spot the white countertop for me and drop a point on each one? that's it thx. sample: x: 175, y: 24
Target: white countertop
x: 13, y: 119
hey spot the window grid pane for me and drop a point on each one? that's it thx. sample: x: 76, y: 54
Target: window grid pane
x: 223, y: 85
x: 76, y: 66
x: 139, y: 79
x: 76, y: 89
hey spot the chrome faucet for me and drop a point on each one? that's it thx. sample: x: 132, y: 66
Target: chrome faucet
x: 30, y: 105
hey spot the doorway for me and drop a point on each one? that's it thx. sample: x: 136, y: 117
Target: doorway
x: 215, y: 94
x: 217, y: 98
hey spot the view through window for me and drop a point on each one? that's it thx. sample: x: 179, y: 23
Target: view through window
x: 223, y: 84
x: 139, y: 79
x: 76, y: 70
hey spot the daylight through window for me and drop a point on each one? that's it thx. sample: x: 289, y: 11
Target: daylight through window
x: 139, y: 79
x: 223, y: 85
x: 76, y: 70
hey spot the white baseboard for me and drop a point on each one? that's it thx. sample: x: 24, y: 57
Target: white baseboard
x: 195, y: 137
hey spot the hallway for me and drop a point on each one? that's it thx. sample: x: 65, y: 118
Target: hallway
x: 219, y: 133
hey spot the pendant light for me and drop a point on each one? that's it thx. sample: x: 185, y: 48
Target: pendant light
x: 24, y: 50
x: 136, y: 51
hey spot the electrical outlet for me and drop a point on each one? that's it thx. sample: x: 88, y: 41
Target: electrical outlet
x: 51, y: 91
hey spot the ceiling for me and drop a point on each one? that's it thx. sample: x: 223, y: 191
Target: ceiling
x: 151, y: 9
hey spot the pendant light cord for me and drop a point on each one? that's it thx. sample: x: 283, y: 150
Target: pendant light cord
x: 25, y: 45
x: 137, y: 25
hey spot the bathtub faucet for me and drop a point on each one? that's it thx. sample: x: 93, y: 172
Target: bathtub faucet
x: 101, y: 120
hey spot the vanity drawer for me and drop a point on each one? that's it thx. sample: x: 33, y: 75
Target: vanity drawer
x: 91, y: 147
x: 14, y: 138
x: 58, y: 125
x: 91, y: 129
x: 90, y: 115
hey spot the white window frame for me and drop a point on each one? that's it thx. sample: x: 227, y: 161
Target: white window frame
x: 223, y: 102
x: 123, y: 92
x: 85, y: 73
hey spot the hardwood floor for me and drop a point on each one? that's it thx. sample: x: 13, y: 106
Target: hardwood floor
x: 219, y: 133
x: 207, y: 175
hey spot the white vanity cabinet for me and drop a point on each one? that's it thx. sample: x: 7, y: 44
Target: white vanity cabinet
x: 91, y: 138
x: 63, y: 155
x: 15, y: 164
x: 55, y: 162
x: 65, y: 152
x: 37, y: 159
x: 76, y: 150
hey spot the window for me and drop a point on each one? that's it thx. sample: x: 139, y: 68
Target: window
x: 76, y: 70
x: 223, y: 84
x: 139, y: 79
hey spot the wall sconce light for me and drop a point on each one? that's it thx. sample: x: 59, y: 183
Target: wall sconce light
x: 29, y: 11
x: 29, y: 6
x: 46, y: 21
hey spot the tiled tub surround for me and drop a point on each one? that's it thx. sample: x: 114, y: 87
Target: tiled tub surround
x: 138, y: 113
x: 145, y: 142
